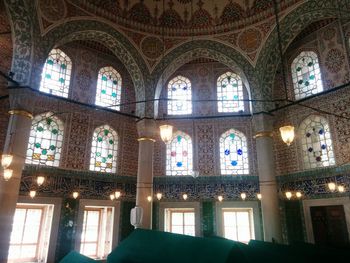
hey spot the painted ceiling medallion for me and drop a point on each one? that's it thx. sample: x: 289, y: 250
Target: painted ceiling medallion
x: 249, y: 40
x: 152, y: 47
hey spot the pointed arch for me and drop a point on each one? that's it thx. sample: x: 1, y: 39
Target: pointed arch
x: 108, y: 90
x: 55, y: 77
x: 179, y: 96
x: 179, y: 155
x: 316, y: 142
x: 306, y: 75
x: 104, y: 150
x: 230, y: 92
x: 233, y: 153
x: 45, y: 140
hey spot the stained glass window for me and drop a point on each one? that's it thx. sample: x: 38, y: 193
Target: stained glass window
x: 230, y: 93
x: 316, y: 142
x: 180, y: 96
x: 179, y: 155
x: 55, y: 77
x: 233, y: 153
x: 306, y: 75
x: 109, y: 85
x: 45, y: 141
x: 104, y: 150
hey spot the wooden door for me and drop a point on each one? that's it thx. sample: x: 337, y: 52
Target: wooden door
x: 329, y: 226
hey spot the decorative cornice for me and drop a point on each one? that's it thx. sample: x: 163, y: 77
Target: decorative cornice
x: 264, y: 134
x: 22, y: 113
x: 146, y: 139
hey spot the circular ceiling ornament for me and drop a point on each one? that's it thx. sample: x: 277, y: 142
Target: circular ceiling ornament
x: 53, y: 10
x: 249, y: 40
x: 152, y: 47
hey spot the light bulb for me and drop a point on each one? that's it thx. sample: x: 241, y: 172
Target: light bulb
x: 117, y: 194
x: 32, y: 194
x: 341, y: 189
x: 149, y: 198
x: 112, y: 196
x: 185, y: 196
x: 40, y: 180
x: 75, y: 195
x: 259, y: 196
x: 298, y: 195
x: 6, y: 160
x: 243, y: 196
x: 331, y: 187
x: 8, y: 174
x: 159, y: 196
x: 220, y: 198
x: 289, y: 195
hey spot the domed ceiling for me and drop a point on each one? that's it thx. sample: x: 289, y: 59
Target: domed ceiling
x: 186, y: 16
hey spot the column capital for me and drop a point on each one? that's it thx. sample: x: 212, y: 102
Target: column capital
x: 147, y: 130
x: 23, y: 113
x: 22, y: 99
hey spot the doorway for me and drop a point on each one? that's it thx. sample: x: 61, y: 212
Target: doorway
x: 329, y: 226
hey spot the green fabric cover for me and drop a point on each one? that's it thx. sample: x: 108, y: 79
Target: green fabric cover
x: 75, y: 257
x: 147, y: 246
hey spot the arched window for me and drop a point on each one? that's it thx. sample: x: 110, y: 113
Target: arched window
x: 104, y: 150
x: 109, y: 85
x: 316, y: 142
x: 306, y: 75
x: 233, y: 153
x: 180, y: 96
x: 55, y: 77
x: 45, y: 141
x: 230, y: 93
x: 179, y: 155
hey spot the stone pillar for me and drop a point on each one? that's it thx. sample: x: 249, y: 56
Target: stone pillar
x: 16, y: 144
x: 146, y: 130
x: 267, y: 178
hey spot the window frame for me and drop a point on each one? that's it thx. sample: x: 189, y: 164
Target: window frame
x: 182, y: 205
x: 170, y: 97
x: 98, y: 203
x: 67, y: 86
x: 118, y: 95
x: 290, y: 69
x: 256, y: 223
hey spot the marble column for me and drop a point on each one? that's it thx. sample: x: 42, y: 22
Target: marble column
x: 146, y: 129
x: 16, y: 144
x: 267, y: 178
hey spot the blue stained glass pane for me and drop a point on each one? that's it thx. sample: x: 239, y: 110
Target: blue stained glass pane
x: 179, y: 138
x: 114, y: 94
x: 232, y: 135
x: 321, y: 131
x: 239, y: 152
x: 235, y: 85
x: 173, y: 88
x: 312, y: 77
x: 179, y: 164
x: 50, y: 62
x: 103, y: 91
x: 61, y: 80
x: 48, y: 76
x: 63, y: 66
x: 235, y: 97
x: 115, y: 82
x: 227, y: 152
x: 323, y: 146
x: 234, y: 163
x: 104, y: 78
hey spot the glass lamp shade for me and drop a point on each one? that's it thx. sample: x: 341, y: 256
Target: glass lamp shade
x: 75, y: 195
x: 40, y: 180
x: 220, y: 198
x: 149, y: 198
x: 341, y: 189
x: 185, y: 196
x: 298, y: 195
x: 289, y: 195
x: 8, y: 174
x: 166, y: 132
x: 243, y: 196
x: 159, y: 196
x: 112, y: 197
x: 6, y: 160
x: 287, y: 134
x: 332, y: 187
x: 117, y: 194
x: 32, y: 194
x: 259, y: 196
